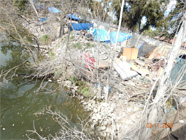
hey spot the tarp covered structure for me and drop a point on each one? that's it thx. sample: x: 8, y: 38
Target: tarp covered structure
x: 81, y: 26
x: 178, y: 69
x: 100, y: 35
x: 53, y: 10
x: 122, y: 37
x: 73, y: 17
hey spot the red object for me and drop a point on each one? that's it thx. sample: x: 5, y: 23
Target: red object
x: 89, y: 60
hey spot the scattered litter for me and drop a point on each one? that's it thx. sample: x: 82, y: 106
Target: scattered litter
x: 123, y: 68
x: 73, y: 17
x: 53, y: 10
x: 88, y: 60
x: 181, y: 121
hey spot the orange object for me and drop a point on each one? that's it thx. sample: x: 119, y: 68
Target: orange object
x: 130, y: 53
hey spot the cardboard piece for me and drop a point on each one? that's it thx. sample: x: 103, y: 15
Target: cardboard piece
x: 130, y: 53
x: 103, y: 64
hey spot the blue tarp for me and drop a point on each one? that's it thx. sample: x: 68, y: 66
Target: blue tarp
x: 53, y: 10
x: 122, y: 37
x: 43, y: 19
x: 103, y: 36
x: 100, y: 35
x: 73, y: 17
x: 81, y: 26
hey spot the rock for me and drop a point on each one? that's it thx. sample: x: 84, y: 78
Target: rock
x: 103, y: 128
x: 98, y: 116
x: 76, y: 88
x: 129, y: 109
x: 105, y: 123
x: 68, y: 83
x: 95, y: 110
x: 73, y: 91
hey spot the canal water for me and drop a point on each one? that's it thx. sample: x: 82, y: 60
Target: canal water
x: 21, y: 103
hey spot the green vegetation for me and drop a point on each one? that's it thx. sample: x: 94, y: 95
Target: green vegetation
x: 173, y: 19
x: 88, y: 45
x: 83, y: 87
x: 137, y: 9
x: 115, y: 22
x: 73, y: 79
x: 57, y: 74
x: 21, y: 5
x: 77, y: 45
x: 100, y: 9
x: 51, y: 54
x: 72, y: 37
x: 64, y: 39
x: 152, y: 33
x: 45, y: 39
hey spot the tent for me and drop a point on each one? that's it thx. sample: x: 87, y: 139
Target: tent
x: 122, y: 37
x: 73, y: 17
x: 53, y: 10
x: 81, y: 26
x: 100, y: 35
x: 178, y: 68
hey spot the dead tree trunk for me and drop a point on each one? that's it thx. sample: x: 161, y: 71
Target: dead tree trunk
x: 61, y: 30
x: 119, y: 26
x: 155, y: 112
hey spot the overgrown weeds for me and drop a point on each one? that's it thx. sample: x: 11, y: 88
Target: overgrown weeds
x: 45, y: 39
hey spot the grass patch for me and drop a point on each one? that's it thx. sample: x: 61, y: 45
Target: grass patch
x: 88, y: 45
x: 77, y: 46
x: 83, y: 89
x: 73, y: 79
x: 57, y: 74
x: 86, y: 92
x: 45, y: 39
x: 51, y: 55
x: 72, y: 37
x: 64, y: 39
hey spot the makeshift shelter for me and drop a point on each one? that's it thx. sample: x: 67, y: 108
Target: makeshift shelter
x: 73, y: 17
x: 100, y: 35
x: 178, y: 68
x: 81, y: 26
x: 145, y: 48
x: 122, y: 37
x: 53, y: 10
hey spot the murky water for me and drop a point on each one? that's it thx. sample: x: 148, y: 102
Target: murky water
x: 22, y: 104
